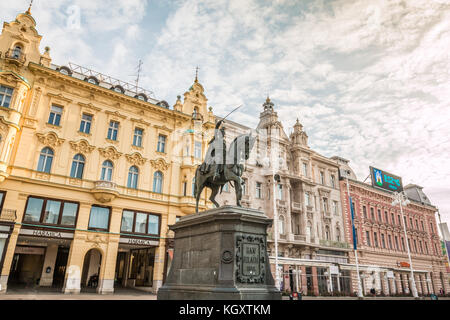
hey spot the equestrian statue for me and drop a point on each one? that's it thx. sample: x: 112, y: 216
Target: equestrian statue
x: 221, y: 166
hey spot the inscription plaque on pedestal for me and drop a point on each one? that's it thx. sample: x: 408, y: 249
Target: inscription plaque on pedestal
x: 250, y: 259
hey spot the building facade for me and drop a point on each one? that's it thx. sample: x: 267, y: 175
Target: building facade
x: 381, y: 244
x: 312, y: 249
x: 92, y: 171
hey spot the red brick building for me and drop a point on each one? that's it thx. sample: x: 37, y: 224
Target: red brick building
x: 382, y: 251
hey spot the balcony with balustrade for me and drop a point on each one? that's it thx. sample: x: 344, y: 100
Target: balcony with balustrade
x: 104, y: 191
x: 15, y: 56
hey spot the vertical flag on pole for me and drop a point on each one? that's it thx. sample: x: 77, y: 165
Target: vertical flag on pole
x: 353, y: 223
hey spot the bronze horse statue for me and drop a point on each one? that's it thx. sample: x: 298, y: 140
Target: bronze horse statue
x: 232, y: 171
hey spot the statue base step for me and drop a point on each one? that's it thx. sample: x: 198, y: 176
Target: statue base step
x: 221, y: 254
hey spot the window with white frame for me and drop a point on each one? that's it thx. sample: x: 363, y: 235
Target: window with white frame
x: 45, y: 160
x: 258, y: 190
x: 99, y: 218
x: 55, y: 115
x: 307, y: 199
x: 157, y: 182
x: 305, y: 169
x: 333, y: 181
x: 113, y: 130
x: 77, y: 166
x: 85, y: 124
x: 280, y: 192
x: 5, y: 96
x: 322, y: 177
x: 107, y: 169
x: 198, y: 150
x: 335, y: 207
x: 161, y: 143
x: 137, y: 137
x: 133, y: 176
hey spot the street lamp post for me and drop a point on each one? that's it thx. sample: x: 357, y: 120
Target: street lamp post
x: 360, y: 292
x: 401, y: 199
x: 276, y: 179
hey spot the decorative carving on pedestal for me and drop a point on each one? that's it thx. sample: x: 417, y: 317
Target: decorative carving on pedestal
x: 250, y: 259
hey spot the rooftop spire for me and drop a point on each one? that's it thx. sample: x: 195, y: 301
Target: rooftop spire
x: 29, y: 8
x: 196, y: 74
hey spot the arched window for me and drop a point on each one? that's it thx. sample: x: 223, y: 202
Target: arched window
x: 17, y: 52
x: 107, y: 168
x: 157, y: 182
x: 133, y: 175
x: 45, y: 160
x: 77, y: 166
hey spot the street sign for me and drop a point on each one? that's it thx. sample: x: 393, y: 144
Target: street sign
x: 385, y: 180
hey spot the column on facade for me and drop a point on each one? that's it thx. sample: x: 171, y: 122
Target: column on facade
x: 418, y: 281
x: 290, y: 233
x: 398, y: 283
x: 384, y: 283
x: 315, y: 281
x: 330, y: 281
x: 49, y: 265
x: 304, y: 284
x: 160, y: 255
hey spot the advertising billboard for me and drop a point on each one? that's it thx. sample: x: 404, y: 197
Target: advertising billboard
x: 385, y: 180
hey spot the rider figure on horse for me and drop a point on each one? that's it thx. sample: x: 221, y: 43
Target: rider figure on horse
x: 217, y: 147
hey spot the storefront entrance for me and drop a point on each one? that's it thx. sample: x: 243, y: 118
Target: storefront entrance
x: 91, y: 270
x: 60, y: 267
x: 26, y: 267
x: 141, y: 267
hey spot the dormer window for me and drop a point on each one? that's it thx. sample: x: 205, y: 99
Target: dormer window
x: 141, y: 97
x: 92, y: 80
x: 66, y: 71
x: 118, y: 89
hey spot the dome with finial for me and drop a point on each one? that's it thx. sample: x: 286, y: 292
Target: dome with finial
x: 298, y: 126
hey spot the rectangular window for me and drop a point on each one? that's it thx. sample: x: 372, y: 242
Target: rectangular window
x: 86, y: 121
x: 305, y: 169
x: 333, y: 181
x: 161, y: 144
x: 198, y: 150
x: 423, y: 227
x: 280, y: 192
x: 307, y: 199
x: 375, y: 239
x: 139, y: 222
x: 258, y: 190
x: 392, y: 218
x: 403, y: 244
x: 390, y: 241
x: 396, y: 243
x: 368, y: 238
x: 365, y: 212
x: 383, y: 242
x: 372, y: 214
x: 386, y: 220
x: 127, y: 221
x: 335, y: 207
x: 51, y: 211
x: 5, y: 96
x: 112, y: 130
x: 379, y: 216
x: 137, y: 138
x: 99, y: 218
x: 325, y: 204
x: 55, y: 115
x: 426, y: 247
x: 322, y: 177
x: 153, y: 224
x: 417, y: 224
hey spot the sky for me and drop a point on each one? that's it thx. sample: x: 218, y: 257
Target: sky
x: 369, y: 80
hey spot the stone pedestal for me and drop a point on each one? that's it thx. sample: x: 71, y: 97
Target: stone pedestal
x: 221, y: 254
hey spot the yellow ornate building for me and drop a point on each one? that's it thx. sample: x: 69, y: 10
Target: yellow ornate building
x: 92, y: 171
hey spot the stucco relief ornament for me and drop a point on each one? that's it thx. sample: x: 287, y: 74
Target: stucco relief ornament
x: 81, y: 146
x: 51, y: 139
x: 110, y: 153
x: 159, y: 164
x: 136, y: 159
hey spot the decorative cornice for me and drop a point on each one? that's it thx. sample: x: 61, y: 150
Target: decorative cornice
x: 136, y: 158
x: 110, y: 153
x: 82, y: 146
x: 58, y: 96
x: 115, y: 113
x: 89, y: 106
x: 162, y: 128
x: 50, y: 139
x: 159, y: 164
x: 142, y: 121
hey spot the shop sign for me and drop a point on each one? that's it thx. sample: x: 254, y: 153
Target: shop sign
x: 385, y: 180
x: 47, y: 234
x: 141, y: 242
x: 4, y: 228
x: 3, y: 235
x: 29, y: 250
x: 403, y: 264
